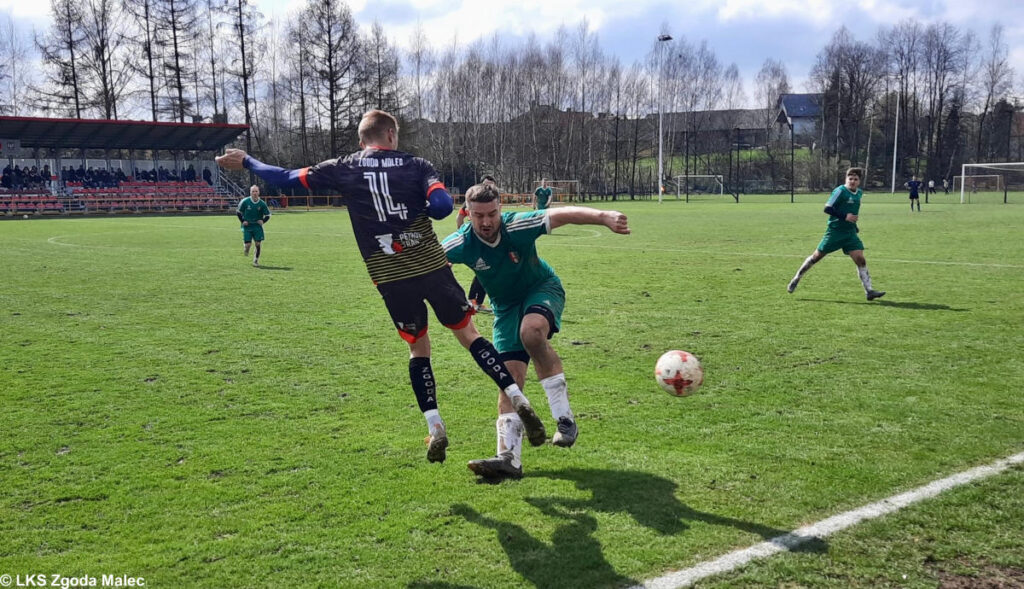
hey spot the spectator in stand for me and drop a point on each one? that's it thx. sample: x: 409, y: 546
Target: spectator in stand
x: 190, y: 174
x: 208, y: 176
x: 8, y: 177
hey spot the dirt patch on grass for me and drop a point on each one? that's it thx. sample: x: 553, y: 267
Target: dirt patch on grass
x: 987, y: 577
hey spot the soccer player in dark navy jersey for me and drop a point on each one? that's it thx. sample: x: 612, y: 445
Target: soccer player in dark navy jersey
x: 391, y: 197
x: 914, y: 185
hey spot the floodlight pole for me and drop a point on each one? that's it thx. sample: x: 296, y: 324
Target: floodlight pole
x: 792, y: 175
x: 895, y: 142
x: 661, y: 58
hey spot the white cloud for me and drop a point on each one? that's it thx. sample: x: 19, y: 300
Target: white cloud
x: 25, y: 9
x: 819, y: 12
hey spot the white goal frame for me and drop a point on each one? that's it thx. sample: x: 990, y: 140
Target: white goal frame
x: 559, y: 189
x: 996, y: 166
x: 718, y: 178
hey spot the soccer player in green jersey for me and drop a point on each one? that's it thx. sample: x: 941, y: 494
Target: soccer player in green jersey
x: 391, y: 197
x: 527, y: 298
x: 542, y: 196
x: 253, y: 212
x: 843, y: 209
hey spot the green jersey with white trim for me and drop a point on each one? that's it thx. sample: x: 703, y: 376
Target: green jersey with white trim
x: 510, y: 267
x: 253, y: 211
x: 845, y: 202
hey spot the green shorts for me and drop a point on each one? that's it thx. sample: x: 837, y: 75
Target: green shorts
x: 253, y: 231
x: 832, y: 241
x: 547, y: 295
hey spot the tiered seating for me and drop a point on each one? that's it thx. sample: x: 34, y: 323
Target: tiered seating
x: 152, y: 196
x: 29, y: 201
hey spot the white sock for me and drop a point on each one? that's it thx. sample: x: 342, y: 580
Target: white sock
x: 865, y: 278
x: 558, y: 395
x: 433, y: 419
x: 514, y: 391
x: 804, y: 268
x: 510, y: 437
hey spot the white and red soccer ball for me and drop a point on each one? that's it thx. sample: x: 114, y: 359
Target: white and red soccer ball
x: 679, y: 373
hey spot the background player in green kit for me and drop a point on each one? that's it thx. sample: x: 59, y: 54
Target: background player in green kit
x: 542, y: 196
x: 527, y: 298
x: 843, y: 208
x: 253, y: 213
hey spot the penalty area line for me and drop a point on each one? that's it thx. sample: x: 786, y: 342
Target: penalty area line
x: 826, y: 527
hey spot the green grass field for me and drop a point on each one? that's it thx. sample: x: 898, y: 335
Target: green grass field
x: 171, y: 412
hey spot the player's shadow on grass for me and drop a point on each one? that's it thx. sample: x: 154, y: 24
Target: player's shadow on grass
x: 896, y: 305
x: 284, y: 268
x: 574, y: 556
x: 648, y: 499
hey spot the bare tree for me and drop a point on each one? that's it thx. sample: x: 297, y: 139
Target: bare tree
x: 178, y: 23
x: 14, y: 75
x: 143, y: 12
x: 245, y: 24
x: 104, y: 61
x: 332, y: 42
x: 996, y: 81
x: 421, y: 60
x: 771, y: 83
x: 379, y: 71
x: 60, y: 49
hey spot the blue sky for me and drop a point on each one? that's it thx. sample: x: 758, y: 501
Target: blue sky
x: 742, y: 31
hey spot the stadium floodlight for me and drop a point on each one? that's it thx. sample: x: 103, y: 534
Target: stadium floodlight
x: 661, y: 59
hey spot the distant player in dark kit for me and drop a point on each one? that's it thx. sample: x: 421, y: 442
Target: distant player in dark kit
x: 253, y: 213
x: 528, y: 299
x: 843, y: 209
x: 914, y: 185
x: 391, y: 197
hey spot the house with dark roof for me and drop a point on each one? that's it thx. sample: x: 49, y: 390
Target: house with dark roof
x: 802, y: 110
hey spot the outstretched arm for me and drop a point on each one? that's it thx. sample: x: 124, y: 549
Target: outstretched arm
x: 236, y: 159
x: 613, y: 220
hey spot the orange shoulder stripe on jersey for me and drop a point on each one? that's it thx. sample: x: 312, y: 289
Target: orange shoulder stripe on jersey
x: 302, y: 177
x: 434, y: 187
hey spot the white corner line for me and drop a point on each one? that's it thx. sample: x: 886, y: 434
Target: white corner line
x: 825, y: 527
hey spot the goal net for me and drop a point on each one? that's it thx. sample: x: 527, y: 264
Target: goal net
x: 696, y: 185
x: 562, y: 191
x: 989, y: 182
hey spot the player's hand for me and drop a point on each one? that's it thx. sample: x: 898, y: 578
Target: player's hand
x: 245, y: 223
x: 616, y: 221
x: 231, y: 160
x: 851, y: 217
x: 260, y: 222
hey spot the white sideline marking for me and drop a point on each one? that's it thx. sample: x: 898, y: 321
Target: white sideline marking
x: 767, y: 255
x: 825, y: 527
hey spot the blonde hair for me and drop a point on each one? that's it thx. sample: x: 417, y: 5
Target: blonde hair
x: 375, y: 124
